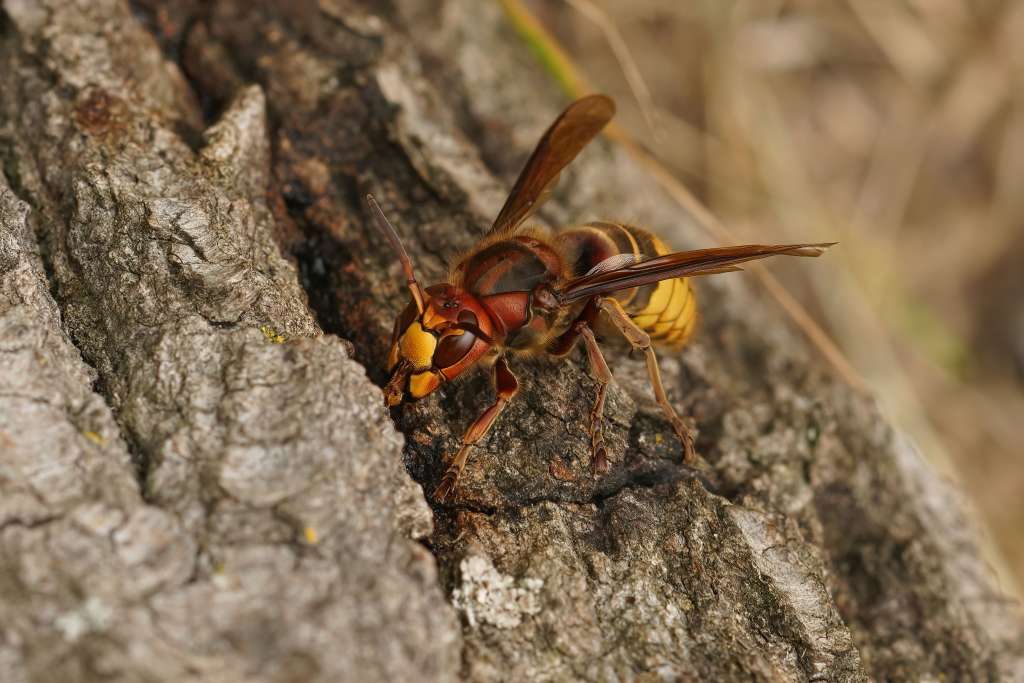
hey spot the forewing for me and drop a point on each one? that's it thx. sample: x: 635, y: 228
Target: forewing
x: 679, y: 264
x: 567, y: 136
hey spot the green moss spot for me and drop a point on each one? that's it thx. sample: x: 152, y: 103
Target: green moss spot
x: 272, y: 335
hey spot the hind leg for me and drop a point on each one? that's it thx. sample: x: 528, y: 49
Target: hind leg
x: 641, y: 341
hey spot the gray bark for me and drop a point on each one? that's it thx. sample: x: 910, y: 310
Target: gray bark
x: 198, y: 483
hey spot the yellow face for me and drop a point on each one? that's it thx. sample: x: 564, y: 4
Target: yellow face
x: 437, y: 345
x: 422, y: 383
x: 417, y: 346
x: 414, y: 349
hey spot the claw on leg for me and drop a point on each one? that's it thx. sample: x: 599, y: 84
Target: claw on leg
x: 451, y: 474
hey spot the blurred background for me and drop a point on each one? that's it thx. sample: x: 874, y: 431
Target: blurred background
x: 893, y: 126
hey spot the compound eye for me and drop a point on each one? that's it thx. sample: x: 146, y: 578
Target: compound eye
x: 453, y: 348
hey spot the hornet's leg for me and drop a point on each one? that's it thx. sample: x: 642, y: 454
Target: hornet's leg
x: 506, y: 386
x: 599, y: 461
x: 564, y: 344
x: 561, y: 346
x: 641, y: 341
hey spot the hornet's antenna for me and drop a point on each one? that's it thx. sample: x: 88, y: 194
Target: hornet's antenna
x: 384, y: 225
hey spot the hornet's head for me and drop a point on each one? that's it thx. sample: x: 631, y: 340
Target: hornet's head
x: 443, y: 331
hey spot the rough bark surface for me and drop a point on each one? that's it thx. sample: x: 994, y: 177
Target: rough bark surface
x: 197, y: 483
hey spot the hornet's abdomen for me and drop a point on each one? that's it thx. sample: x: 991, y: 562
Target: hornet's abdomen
x: 666, y: 310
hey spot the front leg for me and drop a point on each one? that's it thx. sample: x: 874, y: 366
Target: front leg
x: 506, y: 386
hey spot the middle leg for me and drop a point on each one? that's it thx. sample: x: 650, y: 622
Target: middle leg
x: 599, y: 454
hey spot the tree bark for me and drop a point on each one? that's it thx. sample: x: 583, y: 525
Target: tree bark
x: 199, y: 481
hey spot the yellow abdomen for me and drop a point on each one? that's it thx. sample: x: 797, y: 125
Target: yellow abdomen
x: 669, y: 312
x: 666, y: 310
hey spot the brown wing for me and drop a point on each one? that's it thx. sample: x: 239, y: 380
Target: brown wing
x: 567, y: 136
x: 679, y: 264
